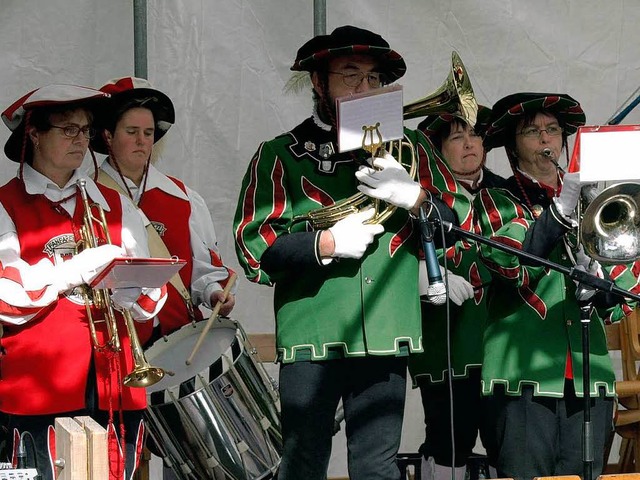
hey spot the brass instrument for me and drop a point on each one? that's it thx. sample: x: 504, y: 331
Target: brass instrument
x: 610, y: 225
x: 608, y: 222
x: 455, y: 96
x: 143, y: 374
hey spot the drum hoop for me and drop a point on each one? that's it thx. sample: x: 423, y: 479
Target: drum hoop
x: 215, y: 370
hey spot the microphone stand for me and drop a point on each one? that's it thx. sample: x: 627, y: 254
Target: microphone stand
x: 584, y: 278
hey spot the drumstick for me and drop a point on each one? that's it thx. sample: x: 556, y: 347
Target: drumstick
x: 214, y: 315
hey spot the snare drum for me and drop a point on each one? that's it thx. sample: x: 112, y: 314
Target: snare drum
x: 218, y: 418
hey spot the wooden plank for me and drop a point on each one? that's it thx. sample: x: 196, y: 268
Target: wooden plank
x: 265, y: 345
x: 620, y: 476
x: 97, y: 452
x: 613, y: 336
x: 558, y: 477
x: 71, y: 447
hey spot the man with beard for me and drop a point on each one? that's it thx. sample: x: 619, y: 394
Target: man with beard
x: 346, y: 298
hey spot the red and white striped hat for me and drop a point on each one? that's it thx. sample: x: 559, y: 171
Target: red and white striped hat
x: 47, y: 96
x: 139, y: 90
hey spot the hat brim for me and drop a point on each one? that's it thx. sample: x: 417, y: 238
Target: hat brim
x: 160, y: 105
x: 509, y: 110
x: 13, y: 146
x: 432, y: 125
x: 392, y: 65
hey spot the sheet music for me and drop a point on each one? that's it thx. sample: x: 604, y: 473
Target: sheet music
x: 137, y: 272
x: 383, y: 105
x: 610, y: 153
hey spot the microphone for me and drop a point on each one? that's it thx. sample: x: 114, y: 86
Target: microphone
x: 436, y: 292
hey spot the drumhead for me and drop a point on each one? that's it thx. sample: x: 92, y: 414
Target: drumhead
x: 171, y: 353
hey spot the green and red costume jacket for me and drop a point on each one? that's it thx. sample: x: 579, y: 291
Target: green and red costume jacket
x: 467, y: 322
x: 533, y: 335
x: 349, y: 307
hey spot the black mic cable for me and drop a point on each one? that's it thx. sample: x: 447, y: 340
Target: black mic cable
x: 434, y: 208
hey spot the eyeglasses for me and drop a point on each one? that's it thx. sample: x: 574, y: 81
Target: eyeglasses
x: 354, y: 79
x: 72, y: 131
x: 535, y: 132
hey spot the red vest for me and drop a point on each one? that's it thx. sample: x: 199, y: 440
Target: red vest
x: 46, y: 365
x: 170, y: 217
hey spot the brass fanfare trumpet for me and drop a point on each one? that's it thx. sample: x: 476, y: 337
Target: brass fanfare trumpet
x: 455, y: 96
x: 143, y: 374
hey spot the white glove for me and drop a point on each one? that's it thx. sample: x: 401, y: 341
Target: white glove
x: 391, y: 183
x: 459, y: 289
x: 586, y: 264
x: 124, y: 298
x: 85, y: 266
x: 568, y: 199
x: 589, y: 265
x: 351, y: 236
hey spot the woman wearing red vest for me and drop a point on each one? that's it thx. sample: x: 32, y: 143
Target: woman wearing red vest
x: 49, y: 365
x: 137, y: 116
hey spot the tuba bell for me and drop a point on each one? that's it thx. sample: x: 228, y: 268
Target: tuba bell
x: 610, y: 224
x: 455, y: 96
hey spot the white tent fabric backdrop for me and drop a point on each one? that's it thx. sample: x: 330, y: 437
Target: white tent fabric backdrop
x: 224, y: 64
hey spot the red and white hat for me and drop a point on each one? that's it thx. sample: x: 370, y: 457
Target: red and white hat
x: 138, y: 90
x: 47, y: 96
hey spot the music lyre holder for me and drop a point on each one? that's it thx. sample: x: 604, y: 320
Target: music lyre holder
x: 371, y: 138
x: 584, y: 279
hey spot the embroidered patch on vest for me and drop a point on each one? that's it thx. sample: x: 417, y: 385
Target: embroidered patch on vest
x: 60, y: 248
x: 309, y: 142
x: 159, y: 227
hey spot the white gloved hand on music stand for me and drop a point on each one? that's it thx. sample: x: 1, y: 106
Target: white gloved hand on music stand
x: 85, y: 266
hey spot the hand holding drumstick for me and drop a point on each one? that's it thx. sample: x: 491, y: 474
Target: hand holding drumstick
x: 213, y: 317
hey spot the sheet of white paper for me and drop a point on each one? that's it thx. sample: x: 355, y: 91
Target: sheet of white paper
x: 382, y: 106
x: 609, y: 155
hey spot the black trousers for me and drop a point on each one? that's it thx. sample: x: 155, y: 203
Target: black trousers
x: 468, y: 419
x: 373, y: 395
x: 542, y: 436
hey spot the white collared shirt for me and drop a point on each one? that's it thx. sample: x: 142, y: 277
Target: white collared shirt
x: 42, y: 277
x: 205, y: 277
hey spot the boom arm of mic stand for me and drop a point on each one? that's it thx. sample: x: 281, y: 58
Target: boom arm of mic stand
x: 572, y: 272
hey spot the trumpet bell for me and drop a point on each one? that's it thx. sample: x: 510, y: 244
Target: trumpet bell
x: 143, y: 376
x: 610, y: 225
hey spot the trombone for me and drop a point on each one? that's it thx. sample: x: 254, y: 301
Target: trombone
x: 143, y: 374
